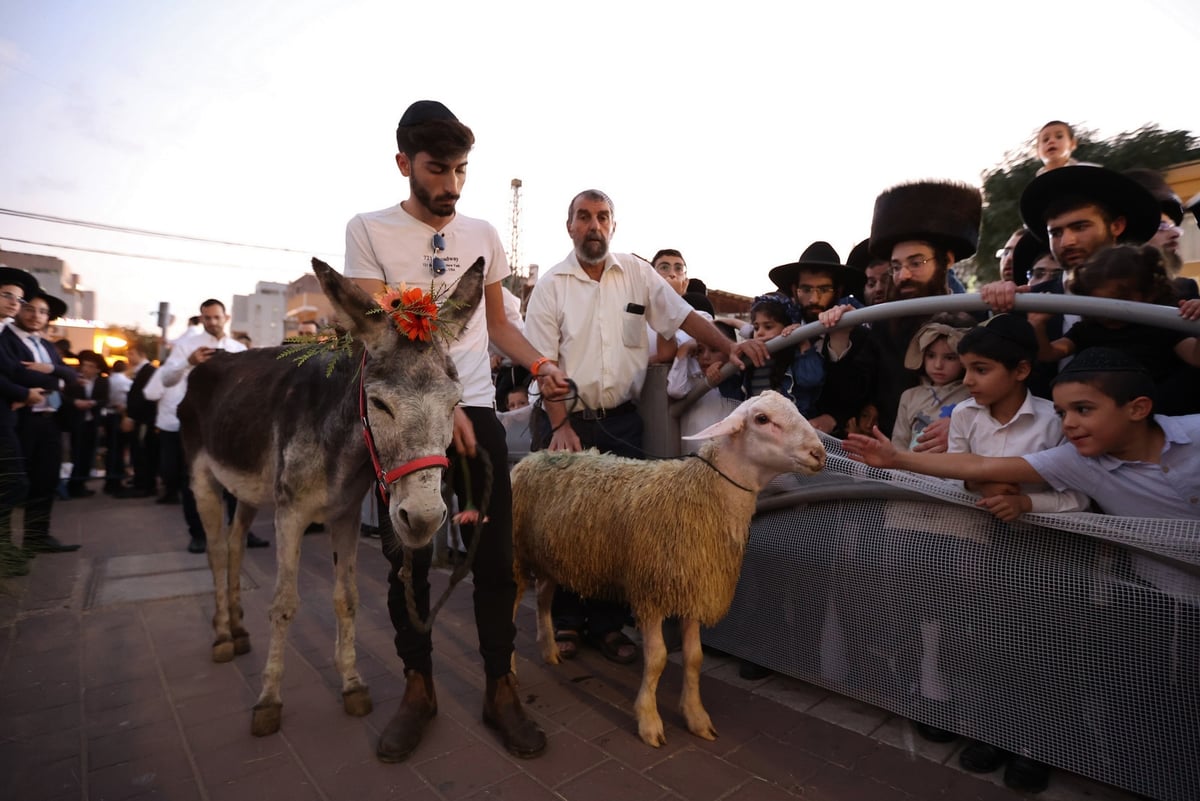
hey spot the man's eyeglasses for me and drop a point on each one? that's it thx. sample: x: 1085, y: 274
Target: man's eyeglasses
x: 1002, y: 252
x: 436, y: 264
x: 11, y: 296
x: 806, y: 289
x: 1168, y: 225
x: 912, y: 264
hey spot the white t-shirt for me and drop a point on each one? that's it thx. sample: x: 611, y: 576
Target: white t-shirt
x: 393, y: 246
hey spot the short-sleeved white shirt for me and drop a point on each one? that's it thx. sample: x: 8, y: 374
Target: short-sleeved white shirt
x: 596, y: 330
x: 393, y: 246
x: 1169, y: 489
x: 1033, y: 428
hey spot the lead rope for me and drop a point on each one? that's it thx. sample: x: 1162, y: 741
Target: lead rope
x: 410, y: 598
x: 600, y: 424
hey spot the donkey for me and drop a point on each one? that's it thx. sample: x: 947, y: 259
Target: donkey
x: 313, y: 441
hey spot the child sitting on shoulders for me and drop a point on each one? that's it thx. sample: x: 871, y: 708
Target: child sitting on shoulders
x: 1003, y: 418
x: 933, y: 351
x: 698, y: 364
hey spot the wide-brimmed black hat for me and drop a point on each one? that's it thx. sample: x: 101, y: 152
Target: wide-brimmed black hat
x: 1168, y: 202
x: 818, y: 256
x: 1120, y: 194
x: 860, y: 256
x: 11, y: 276
x: 58, y: 307
x: 944, y: 213
x: 1026, y: 254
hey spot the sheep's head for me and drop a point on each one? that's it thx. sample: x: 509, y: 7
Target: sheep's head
x: 769, y: 433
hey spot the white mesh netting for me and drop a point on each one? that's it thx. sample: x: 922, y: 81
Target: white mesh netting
x: 1071, y: 638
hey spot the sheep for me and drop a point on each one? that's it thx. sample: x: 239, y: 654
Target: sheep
x: 667, y: 536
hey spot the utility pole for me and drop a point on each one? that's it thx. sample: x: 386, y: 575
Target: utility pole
x: 515, y: 283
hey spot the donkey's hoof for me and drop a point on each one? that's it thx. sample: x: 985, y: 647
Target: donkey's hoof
x: 266, y: 718
x: 241, y: 644
x: 357, y: 702
x: 223, y: 651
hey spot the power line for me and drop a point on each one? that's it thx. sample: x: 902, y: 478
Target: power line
x: 29, y: 215
x: 128, y: 255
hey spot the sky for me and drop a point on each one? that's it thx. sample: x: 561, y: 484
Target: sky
x: 738, y: 133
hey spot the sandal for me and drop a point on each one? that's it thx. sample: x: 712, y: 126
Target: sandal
x: 567, y: 641
x: 618, y: 648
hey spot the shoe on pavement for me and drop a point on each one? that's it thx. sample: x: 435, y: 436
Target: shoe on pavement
x: 46, y: 543
x: 197, y: 545
x: 254, y: 541
x: 13, y: 561
x: 1026, y: 776
x: 980, y: 757
x: 502, y: 711
x: 403, y: 732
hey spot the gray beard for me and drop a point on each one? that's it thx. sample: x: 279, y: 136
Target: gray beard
x: 585, y: 258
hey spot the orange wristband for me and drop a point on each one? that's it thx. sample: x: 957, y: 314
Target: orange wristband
x: 537, y: 365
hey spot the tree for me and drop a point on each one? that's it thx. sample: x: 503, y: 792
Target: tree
x: 1148, y: 146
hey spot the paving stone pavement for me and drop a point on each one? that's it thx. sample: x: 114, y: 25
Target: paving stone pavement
x: 108, y: 692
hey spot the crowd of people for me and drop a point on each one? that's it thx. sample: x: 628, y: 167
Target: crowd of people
x: 993, y: 399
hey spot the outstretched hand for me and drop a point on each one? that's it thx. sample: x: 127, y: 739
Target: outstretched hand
x: 875, y: 450
x: 1006, y: 507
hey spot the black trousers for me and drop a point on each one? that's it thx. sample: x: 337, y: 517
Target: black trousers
x: 116, y: 442
x: 175, y: 477
x: 495, y: 588
x: 620, y: 435
x: 143, y: 452
x: 14, y: 485
x: 41, y: 445
x: 83, y: 451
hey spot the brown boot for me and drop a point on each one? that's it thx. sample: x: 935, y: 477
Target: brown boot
x: 502, y: 711
x: 403, y: 732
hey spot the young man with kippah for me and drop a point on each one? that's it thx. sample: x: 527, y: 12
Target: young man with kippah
x: 423, y: 241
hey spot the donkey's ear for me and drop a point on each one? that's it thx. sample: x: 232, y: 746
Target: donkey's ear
x: 353, y: 305
x: 461, y: 304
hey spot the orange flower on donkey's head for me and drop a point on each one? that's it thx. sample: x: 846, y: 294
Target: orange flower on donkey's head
x: 391, y: 299
x: 414, y: 311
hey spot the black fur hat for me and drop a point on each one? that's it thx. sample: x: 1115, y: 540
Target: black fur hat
x: 945, y: 213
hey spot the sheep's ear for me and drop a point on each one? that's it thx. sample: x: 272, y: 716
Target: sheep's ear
x: 732, y: 424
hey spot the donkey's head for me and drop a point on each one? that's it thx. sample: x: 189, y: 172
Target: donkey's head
x: 411, y: 391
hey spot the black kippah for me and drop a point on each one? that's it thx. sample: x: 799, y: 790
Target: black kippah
x: 1014, y: 328
x: 1103, y: 360
x: 425, y: 111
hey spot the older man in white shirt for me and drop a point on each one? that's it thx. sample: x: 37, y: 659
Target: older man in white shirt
x: 590, y: 314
